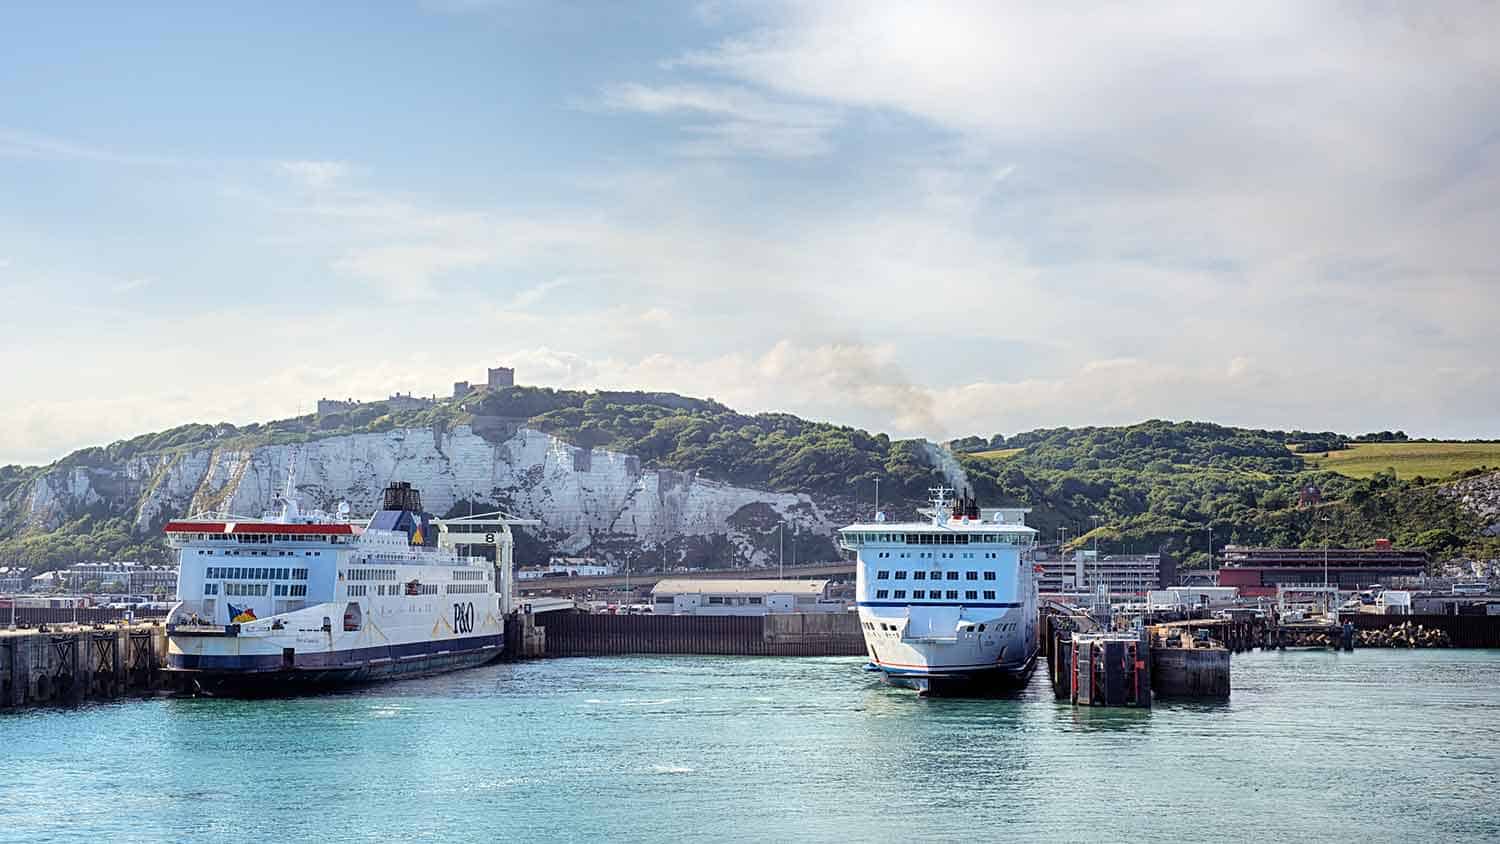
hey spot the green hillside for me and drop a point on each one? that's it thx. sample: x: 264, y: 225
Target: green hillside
x: 1144, y: 487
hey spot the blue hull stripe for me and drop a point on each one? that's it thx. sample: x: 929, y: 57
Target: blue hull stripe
x: 334, y: 660
x: 918, y: 603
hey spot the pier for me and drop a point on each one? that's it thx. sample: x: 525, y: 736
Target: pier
x: 72, y: 664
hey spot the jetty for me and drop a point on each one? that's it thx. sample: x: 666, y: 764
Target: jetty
x: 66, y: 664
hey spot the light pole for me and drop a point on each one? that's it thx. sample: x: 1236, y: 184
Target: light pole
x: 781, y: 545
x: 1325, y: 520
x: 1096, y: 520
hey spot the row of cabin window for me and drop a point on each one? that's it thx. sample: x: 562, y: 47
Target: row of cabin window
x: 940, y: 538
x: 927, y: 555
x: 466, y: 588
x: 880, y: 625
x: 242, y: 553
x: 937, y: 575
x: 236, y: 573
x: 372, y: 574
x: 753, y: 600
x: 934, y: 594
x: 269, y: 538
x: 255, y: 590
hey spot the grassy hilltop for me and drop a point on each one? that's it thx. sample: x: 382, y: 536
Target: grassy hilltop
x: 1153, y: 485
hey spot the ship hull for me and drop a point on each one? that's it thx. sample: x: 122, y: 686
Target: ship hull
x: 983, y: 681
x: 270, y: 675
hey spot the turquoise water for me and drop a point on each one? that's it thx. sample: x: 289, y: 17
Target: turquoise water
x: 1374, y: 745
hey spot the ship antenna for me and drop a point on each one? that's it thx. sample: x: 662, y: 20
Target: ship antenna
x: 939, y: 502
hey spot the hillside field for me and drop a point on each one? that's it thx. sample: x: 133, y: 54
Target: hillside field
x: 1430, y: 460
x: 997, y: 453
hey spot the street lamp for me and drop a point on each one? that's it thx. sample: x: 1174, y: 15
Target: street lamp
x: 781, y: 545
x: 1096, y: 520
x: 1325, y: 520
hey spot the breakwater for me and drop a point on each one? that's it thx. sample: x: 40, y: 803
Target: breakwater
x: 1462, y: 631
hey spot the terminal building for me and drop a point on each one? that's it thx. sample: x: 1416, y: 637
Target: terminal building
x: 1260, y: 572
x: 1121, y: 574
x: 688, y: 596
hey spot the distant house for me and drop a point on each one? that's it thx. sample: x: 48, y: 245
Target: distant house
x: 1310, y: 496
x: 709, y: 596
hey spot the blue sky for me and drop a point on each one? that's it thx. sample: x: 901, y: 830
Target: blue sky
x: 928, y: 219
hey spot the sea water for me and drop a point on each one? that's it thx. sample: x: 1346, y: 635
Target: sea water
x: 1374, y: 745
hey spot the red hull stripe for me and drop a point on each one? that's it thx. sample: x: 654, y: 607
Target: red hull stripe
x: 258, y: 527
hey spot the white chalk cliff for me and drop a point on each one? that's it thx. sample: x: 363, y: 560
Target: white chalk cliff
x: 586, y: 499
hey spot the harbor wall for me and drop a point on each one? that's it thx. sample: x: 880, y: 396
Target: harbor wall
x: 780, y: 634
x: 1464, y: 631
x: 78, y: 664
x: 1190, y: 672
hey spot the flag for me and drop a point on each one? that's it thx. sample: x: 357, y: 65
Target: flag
x: 416, y: 536
x: 240, y: 615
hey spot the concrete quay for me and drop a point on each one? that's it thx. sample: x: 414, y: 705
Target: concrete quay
x: 68, y: 664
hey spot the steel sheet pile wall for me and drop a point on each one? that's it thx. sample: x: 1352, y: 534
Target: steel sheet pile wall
x: 813, y: 634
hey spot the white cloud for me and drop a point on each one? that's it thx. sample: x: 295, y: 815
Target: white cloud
x: 315, y: 175
x: 129, y: 285
x: 731, y: 120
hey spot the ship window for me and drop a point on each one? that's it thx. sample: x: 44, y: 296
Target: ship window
x: 981, y: 628
x: 900, y: 575
x: 971, y: 595
x: 881, y: 593
x: 952, y: 594
x: 989, y: 575
x: 882, y: 575
x: 919, y: 594
x: 952, y: 575
x: 716, y: 599
x: 756, y: 599
x: 919, y: 575
x: 989, y: 594
x: 971, y: 575
x: 900, y: 593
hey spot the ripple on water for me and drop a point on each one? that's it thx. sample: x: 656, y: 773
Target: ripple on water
x: 1378, y: 744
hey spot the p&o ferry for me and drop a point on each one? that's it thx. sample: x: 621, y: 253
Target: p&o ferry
x: 950, y: 604
x: 305, y: 599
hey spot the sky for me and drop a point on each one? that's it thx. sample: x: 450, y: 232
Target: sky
x: 926, y: 219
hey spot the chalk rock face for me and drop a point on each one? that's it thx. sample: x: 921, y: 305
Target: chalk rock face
x: 1480, y: 495
x: 589, y: 501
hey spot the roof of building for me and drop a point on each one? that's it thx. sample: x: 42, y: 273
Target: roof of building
x: 685, y: 585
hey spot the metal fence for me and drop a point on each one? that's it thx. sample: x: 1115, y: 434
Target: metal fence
x: 36, y: 616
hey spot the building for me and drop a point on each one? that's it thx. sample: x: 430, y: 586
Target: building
x: 461, y: 389
x: 1121, y: 574
x: 687, y: 596
x: 566, y: 567
x: 396, y: 401
x: 48, y: 581
x: 13, y: 579
x: 500, y: 376
x: 1258, y: 572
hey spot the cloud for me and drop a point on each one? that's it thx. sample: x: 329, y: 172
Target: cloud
x: 729, y: 120
x: 17, y: 143
x: 315, y: 175
x: 129, y: 285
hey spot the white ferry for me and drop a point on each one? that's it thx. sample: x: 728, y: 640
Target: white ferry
x: 294, y: 599
x: 950, y: 604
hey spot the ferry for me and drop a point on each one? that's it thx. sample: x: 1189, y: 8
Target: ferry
x: 948, y: 605
x: 309, y: 599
